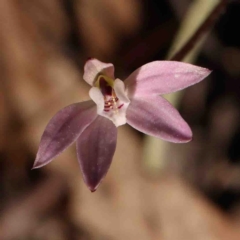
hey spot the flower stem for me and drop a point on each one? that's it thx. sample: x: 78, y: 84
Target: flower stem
x: 204, y: 27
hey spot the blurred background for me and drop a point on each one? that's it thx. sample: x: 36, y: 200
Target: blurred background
x: 153, y: 190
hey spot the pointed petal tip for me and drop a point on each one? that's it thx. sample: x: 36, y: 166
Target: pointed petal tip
x: 186, y: 135
x: 37, y: 164
x: 186, y: 140
x: 206, y: 72
x: 40, y: 161
x: 93, y: 190
x: 179, y: 139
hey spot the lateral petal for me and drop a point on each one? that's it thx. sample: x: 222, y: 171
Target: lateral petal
x: 162, y: 77
x: 93, y: 67
x: 95, y: 149
x: 155, y: 116
x: 63, y: 129
x: 120, y: 91
x: 96, y: 95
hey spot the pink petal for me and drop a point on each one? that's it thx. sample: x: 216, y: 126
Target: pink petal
x: 96, y: 95
x: 120, y: 91
x: 95, y: 149
x: 63, y: 129
x: 93, y: 67
x: 161, y: 77
x: 155, y: 116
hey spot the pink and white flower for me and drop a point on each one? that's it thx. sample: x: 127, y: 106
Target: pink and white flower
x: 136, y: 101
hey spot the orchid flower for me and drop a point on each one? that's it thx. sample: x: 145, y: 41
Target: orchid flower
x: 136, y: 101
